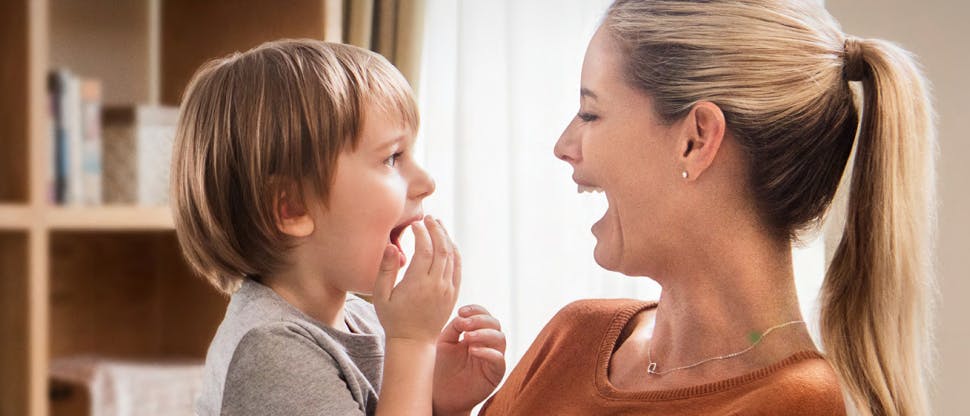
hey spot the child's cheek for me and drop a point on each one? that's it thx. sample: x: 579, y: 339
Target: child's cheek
x: 385, y: 211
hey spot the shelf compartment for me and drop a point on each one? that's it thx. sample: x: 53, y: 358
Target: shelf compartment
x: 14, y: 349
x: 128, y: 295
x: 14, y: 82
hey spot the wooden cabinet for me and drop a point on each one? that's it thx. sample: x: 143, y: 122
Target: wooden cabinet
x: 106, y: 280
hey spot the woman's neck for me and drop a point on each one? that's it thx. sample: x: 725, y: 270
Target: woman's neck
x: 726, y: 318
x: 711, y: 307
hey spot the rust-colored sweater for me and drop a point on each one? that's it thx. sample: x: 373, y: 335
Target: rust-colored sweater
x: 565, y: 373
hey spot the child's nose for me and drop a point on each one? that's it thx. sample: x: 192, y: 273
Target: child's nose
x: 421, y: 185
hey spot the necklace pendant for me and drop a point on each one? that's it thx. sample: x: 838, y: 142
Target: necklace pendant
x: 652, y: 368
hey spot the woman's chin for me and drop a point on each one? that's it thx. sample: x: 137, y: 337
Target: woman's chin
x: 607, y: 250
x: 605, y: 257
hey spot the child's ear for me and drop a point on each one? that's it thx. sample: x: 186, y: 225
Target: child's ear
x: 292, y: 216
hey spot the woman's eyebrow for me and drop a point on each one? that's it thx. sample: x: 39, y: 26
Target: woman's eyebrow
x: 586, y: 92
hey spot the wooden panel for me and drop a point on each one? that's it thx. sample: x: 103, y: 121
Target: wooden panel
x: 190, y: 308
x: 104, y: 39
x: 14, y: 360
x: 102, y: 297
x: 195, y: 31
x: 14, y: 65
x: 128, y: 295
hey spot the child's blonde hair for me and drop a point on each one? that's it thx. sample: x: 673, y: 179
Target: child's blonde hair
x: 253, y: 122
x: 781, y: 72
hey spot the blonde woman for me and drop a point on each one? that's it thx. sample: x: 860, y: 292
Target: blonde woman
x: 718, y: 131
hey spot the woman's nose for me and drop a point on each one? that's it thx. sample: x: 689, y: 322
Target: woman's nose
x: 568, y: 147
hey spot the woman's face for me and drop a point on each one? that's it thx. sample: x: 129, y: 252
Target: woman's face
x: 617, y: 145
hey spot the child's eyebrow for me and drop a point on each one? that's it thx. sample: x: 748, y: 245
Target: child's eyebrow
x: 391, y: 142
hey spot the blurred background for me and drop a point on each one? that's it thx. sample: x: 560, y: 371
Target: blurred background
x: 100, y: 315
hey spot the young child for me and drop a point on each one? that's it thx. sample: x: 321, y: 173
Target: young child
x: 292, y: 181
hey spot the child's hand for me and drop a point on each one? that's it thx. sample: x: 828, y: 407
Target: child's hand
x: 418, y: 307
x: 467, y: 371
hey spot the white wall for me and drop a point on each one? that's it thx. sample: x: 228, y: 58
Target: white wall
x: 938, y: 31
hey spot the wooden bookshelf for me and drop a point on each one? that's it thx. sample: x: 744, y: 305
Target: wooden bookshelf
x: 109, y: 218
x: 106, y: 280
x: 22, y: 217
x: 16, y: 217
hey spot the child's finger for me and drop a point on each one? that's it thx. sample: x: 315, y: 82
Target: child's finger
x: 473, y: 309
x: 390, y: 263
x: 486, y: 338
x: 482, y: 321
x: 493, y: 362
x: 456, y: 274
x: 423, y: 250
x: 449, y: 270
x: 488, y: 354
x: 442, y: 248
x: 442, y: 225
x: 452, y: 332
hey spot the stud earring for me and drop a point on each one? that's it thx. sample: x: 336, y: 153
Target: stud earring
x: 684, y: 174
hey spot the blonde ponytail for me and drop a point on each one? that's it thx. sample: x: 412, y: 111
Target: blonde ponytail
x: 876, y: 294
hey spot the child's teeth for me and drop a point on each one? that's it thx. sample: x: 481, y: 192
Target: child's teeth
x: 584, y: 188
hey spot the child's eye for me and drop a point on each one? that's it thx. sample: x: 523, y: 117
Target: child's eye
x: 392, y: 159
x: 587, y: 117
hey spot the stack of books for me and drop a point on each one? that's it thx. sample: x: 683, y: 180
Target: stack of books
x: 106, y: 154
x: 75, y: 108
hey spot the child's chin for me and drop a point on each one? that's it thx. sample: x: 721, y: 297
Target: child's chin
x: 363, y: 292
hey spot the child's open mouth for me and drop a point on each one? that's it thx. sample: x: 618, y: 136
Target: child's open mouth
x: 394, y: 237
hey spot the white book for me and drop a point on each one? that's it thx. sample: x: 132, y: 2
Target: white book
x: 137, y: 153
x: 73, y: 130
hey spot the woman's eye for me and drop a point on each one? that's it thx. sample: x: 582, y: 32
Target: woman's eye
x: 392, y: 159
x: 587, y: 117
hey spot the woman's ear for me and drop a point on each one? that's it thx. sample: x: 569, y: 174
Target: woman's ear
x: 292, y: 216
x: 704, y: 129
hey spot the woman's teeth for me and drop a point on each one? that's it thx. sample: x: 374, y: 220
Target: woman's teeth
x: 585, y: 188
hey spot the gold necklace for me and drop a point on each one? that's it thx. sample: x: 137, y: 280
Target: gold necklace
x: 754, y: 337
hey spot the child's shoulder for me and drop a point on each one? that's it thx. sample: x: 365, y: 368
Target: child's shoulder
x: 276, y: 363
x: 361, y: 316
x: 270, y: 324
x: 284, y: 341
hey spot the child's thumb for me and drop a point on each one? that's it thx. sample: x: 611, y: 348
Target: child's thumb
x: 386, y: 276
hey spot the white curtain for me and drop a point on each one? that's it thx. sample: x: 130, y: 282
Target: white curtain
x: 499, y: 81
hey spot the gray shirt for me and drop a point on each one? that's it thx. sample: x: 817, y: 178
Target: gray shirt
x: 268, y: 358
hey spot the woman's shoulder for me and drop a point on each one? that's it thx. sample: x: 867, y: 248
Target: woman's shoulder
x: 803, y: 384
x: 585, y: 309
x: 583, y: 324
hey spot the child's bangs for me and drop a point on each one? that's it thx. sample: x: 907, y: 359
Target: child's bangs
x: 387, y: 90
